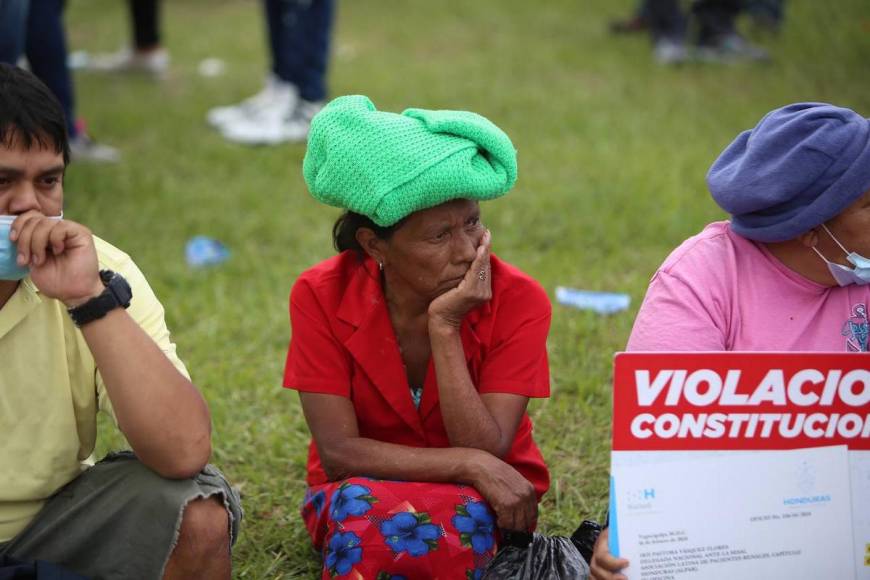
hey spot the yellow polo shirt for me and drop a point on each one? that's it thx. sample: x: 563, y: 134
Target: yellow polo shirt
x: 51, y: 390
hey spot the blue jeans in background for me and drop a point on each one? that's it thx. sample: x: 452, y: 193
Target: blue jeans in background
x: 299, y: 36
x: 45, y: 47
x: 13, y: 26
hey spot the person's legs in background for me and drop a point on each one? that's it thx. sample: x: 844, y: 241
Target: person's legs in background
x: 46, y: 51
x: 147, y: 53
x: 145, y: 19
x: 277, y: 99
x: 45, y: 47
x: 717, y: 36
x: 13, y: 25
x: 305, y: 32
x: 667, y: 25
x: 299, y: 37
x: 316, y: 33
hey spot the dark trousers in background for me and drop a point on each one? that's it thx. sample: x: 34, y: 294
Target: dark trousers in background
x: 13, y: 23
x: 666, y: 19
x: 714, y: 18
x: 299, y: 37
x: 145, y: 22
x: 46, y: 50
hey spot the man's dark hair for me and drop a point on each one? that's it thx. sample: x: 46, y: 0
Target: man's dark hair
x: 30, y: 112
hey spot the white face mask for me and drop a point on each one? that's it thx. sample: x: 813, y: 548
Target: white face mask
x: 845, y: 275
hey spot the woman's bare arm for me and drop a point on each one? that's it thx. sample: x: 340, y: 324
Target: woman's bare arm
x: 344, y: 454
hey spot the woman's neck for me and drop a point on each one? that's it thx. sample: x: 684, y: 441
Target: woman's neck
x: 802, y: 260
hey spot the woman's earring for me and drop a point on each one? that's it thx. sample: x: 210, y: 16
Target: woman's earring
x: 381, y: 266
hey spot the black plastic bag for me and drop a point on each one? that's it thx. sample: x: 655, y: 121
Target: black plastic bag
x: 584, y: 538
x: 537, y: 557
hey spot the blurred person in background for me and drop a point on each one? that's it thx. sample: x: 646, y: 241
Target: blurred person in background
x: 81, y: 331
x: 790, y: 271
x: 13, y: 22
x: 34, y: 28
x: 146, y: 54
x: 706, y: 32
x: 415, y: 350
x: 714, y: 35
x: 299, y: 37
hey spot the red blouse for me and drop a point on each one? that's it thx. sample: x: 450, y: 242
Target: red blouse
x: 343, y: 344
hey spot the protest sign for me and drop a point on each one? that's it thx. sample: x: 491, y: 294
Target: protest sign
x: 727, y: 464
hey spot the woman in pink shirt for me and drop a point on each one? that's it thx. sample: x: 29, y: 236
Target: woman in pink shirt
x: 790, y: 271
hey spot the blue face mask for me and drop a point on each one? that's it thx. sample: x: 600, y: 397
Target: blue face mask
x: 9, y: 269
x: 845, y: 275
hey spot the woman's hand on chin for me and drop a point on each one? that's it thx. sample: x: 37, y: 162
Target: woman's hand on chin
x: 448, y: 310
x: 508, y: 493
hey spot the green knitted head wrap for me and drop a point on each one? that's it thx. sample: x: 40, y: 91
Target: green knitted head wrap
x: 387, y: 166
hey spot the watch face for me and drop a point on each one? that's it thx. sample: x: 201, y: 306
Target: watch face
x: 121, y: 289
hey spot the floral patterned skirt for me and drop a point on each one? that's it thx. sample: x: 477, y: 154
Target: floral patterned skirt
x: 393, y: 530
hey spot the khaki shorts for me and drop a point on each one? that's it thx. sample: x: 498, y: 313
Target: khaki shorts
x: 118, y: 519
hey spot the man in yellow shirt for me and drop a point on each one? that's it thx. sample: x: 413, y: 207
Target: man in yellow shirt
x: 81, y: 331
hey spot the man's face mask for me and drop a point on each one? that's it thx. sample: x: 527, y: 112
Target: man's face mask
x: 9, y: 269
x: 845, y: 275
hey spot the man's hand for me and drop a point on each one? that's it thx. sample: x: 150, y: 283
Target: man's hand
x: 475, y: 289
x: 61, y: 256
x: 510, y: 495
x: 604, y: 565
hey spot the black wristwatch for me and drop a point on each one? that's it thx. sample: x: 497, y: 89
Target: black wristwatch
x: 116, y: 295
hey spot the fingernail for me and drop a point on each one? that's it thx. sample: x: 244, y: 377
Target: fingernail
x: 21, y: 261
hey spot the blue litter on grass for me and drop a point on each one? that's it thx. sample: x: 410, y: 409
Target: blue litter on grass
x: 204, y: 251
x: 600, y: 302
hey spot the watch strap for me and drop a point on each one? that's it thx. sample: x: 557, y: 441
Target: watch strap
x: 116, y: 294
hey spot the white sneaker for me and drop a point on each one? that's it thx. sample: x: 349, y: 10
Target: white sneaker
x: 668, y: 51
x: 731, y: 48
x: 277, y: 100
x: 154, y: 62
x: 293, y: 128
x: 83, y: 148
x: 300, y: 124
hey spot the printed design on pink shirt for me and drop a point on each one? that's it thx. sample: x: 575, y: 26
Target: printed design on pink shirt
x: 856, y: 330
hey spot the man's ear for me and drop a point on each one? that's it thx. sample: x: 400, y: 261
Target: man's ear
x: 371, y: 244
x: 809, y: 239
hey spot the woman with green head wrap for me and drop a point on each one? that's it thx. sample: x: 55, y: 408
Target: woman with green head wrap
x: 415, y: 350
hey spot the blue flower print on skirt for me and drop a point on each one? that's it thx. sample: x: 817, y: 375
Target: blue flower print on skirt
x: 411, y: 532
x: 476, y: 574
x: 317, y: 501
x: 350, y: 500
x: 476, y: 526
x: 408, y: 533
x: 342, y: 553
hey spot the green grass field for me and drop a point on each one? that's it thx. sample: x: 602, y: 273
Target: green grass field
x: 612, y: 150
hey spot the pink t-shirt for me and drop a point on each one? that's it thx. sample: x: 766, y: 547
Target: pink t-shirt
x: 719, y: 291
